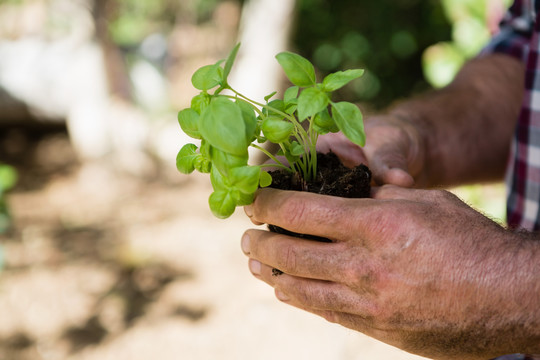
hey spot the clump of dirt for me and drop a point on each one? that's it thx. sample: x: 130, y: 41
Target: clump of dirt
x: 333, y: 178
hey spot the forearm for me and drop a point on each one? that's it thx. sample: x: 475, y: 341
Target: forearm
x: 502, y: 289
x: 521, y: 269
x: 465, y: 129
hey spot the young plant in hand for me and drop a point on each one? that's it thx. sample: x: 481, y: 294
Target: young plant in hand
x: 227, y: 123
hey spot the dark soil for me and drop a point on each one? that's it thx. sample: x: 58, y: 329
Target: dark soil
x: 333, y: 179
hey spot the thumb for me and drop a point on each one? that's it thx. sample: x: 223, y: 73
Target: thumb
x: 350, y: 154
x: 389, y: 167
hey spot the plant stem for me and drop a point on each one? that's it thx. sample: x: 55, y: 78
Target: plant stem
x: 272, y: 157
x: 313, y: 147
x: 307, y: 165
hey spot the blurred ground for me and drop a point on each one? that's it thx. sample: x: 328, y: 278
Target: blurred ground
x: 101, y: 265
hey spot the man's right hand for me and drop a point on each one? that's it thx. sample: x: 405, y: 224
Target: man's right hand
x: 394, y: 151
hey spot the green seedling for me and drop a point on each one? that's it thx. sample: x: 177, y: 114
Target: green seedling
x: 227, y: 123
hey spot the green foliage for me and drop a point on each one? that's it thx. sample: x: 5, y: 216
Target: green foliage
x: 8, y: 178
x: 298, y: 69
x: 470, y: 33
x: 136, y: 19
x: 228, y: 125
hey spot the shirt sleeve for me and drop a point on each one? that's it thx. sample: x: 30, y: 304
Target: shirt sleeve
x: 516, y: 29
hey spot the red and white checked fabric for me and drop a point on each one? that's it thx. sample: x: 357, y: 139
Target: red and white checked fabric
x: 520, y: 37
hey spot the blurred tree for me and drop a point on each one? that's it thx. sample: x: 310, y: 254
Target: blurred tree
x: 389, y: 39
x: 386, y: 37
x: 473, y: 22
x: 136, y: 19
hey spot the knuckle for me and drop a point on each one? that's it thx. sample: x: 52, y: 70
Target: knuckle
x: 286, y: 258
x: 361, y: 276
x: 294, y: 210
x: 290, y: 258
x: 330, y: 316
x: 360, y: 273
x: 443, y: 195
x: 297, y: 209
x: 384, y: 192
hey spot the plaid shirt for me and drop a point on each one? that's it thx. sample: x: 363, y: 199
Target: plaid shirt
x: 520, y: 37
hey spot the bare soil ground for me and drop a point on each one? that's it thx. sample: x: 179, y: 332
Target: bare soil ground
x: 103, y: 265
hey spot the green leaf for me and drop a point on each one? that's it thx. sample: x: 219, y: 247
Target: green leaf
x: 276, y: 129
x: 292, y: 159
x: 310, y: 102
x: 207, y: 77
x: 189, y: 122
x: 222, y: 203
x: 291, y: 109
x: 225, y: 161
x: 290, y: 95
x: 185, y: 160
x: 8, y: 177
x: 265, y: 179
x: 349, y: 120
x: 269, y: 96
x: 223, y: 126
x: 218, y: 181
x: 323, y: 123
x: 202, y: 165
x: 250, y: 120
x: 290, y: 98
x: 243, y: 199
x: 296, y: 149
x: 297, y: 68
x: 337, y: 80
x: 245, y: 178
x: 229, y: 63
x: 200, y: 102
x: 205, y: 149
x: 273, y: 107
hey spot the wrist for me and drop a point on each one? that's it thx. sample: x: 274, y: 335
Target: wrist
x: 516, y: 293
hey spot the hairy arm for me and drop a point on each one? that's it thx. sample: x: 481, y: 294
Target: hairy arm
x: 466, y: 127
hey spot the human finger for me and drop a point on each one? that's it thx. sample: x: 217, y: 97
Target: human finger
x: 307, y: 213
x: 393, y: 150
x: 350, y: 154
x: 323, y: 295
x: 391, y: 172
x: 303, y: 258
x: 311, y: 294
x: 393, y: 192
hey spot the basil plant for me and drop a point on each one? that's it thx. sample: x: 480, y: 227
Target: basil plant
x: 227, y: 123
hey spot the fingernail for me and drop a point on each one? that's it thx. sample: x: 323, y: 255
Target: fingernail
x: 255, y: 267
x: 245, y: 244
x: 282, y: 296
x: 248, y: 209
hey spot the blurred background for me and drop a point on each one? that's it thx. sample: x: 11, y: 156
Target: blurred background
x: 106, y: 251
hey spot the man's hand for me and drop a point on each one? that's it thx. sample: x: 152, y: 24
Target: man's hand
x: 417, y: 269
x: 455, y: 135
x: 394, y: 150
